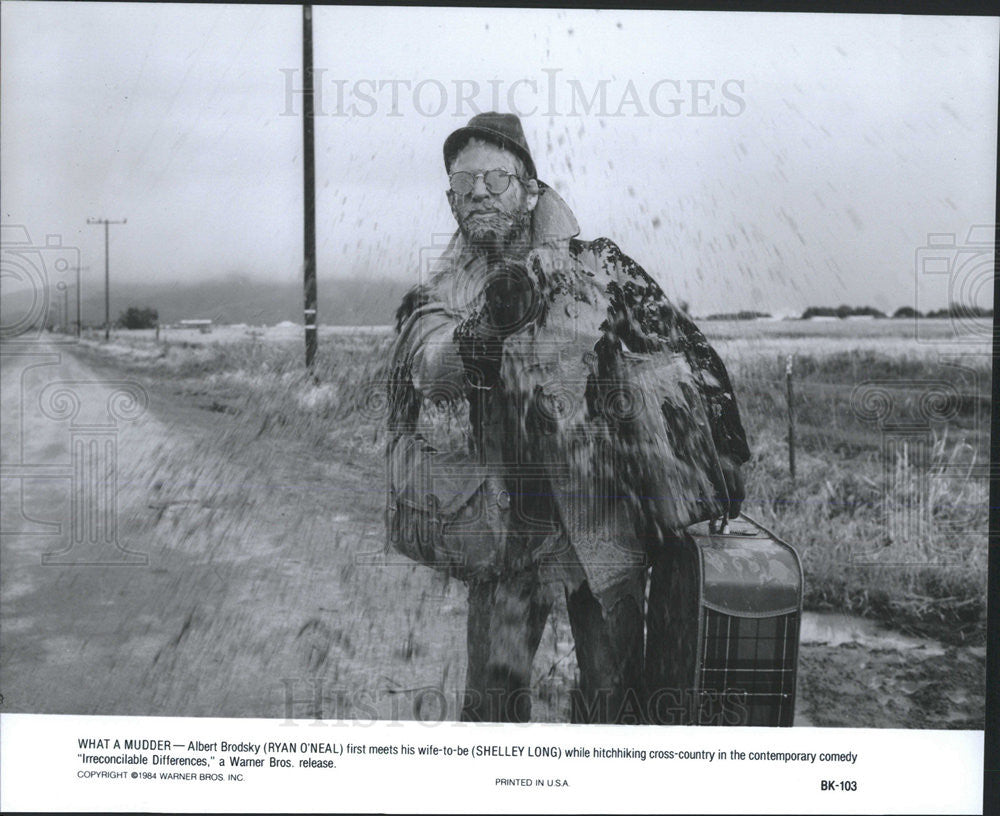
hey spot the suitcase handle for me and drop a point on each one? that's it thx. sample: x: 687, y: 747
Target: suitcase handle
x: 719, y: 525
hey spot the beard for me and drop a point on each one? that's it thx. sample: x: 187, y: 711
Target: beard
x: 495, y: 230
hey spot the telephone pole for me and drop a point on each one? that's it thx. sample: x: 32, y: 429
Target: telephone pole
x: 79, y: 300
x: 309, y: 178
x: 64, y: 323
x: 107, y: 274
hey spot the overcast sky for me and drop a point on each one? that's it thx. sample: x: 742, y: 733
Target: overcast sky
x: 753, y: 160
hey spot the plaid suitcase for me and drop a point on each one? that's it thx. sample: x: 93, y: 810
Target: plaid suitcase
x: 723, y: 628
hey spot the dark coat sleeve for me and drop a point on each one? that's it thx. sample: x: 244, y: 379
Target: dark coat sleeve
x: 727, y: 428
x: 645, y: 319
x: 403, y: 403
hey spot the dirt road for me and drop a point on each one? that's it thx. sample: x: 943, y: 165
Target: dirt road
x: 245, y: 580
x: 252, y: 594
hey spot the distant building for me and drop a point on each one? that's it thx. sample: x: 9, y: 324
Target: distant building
x: 204, y: 325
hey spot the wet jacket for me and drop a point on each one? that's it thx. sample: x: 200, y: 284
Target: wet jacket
x: 595, y: 402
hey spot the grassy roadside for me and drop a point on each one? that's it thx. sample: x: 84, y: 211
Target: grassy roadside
x: 889, y: 507
x: 850, y: 511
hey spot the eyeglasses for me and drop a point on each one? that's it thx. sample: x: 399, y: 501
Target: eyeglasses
x: 497, y: 180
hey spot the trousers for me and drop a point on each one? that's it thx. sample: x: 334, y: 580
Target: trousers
x: 506, y: 619
x: 632, y: 662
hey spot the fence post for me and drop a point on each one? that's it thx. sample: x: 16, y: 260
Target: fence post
x: 790, y: 395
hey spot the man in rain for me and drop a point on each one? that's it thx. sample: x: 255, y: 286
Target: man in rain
x: 596, y: 424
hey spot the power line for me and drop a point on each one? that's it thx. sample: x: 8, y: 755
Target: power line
x: 107, y: 273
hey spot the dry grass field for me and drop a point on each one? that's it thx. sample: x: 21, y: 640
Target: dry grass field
x: 258, y: 491
x: 889, y: 505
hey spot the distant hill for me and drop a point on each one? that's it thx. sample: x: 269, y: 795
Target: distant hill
x: 741, y: 315
x: 842, y: 311
x: 236, y: 299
